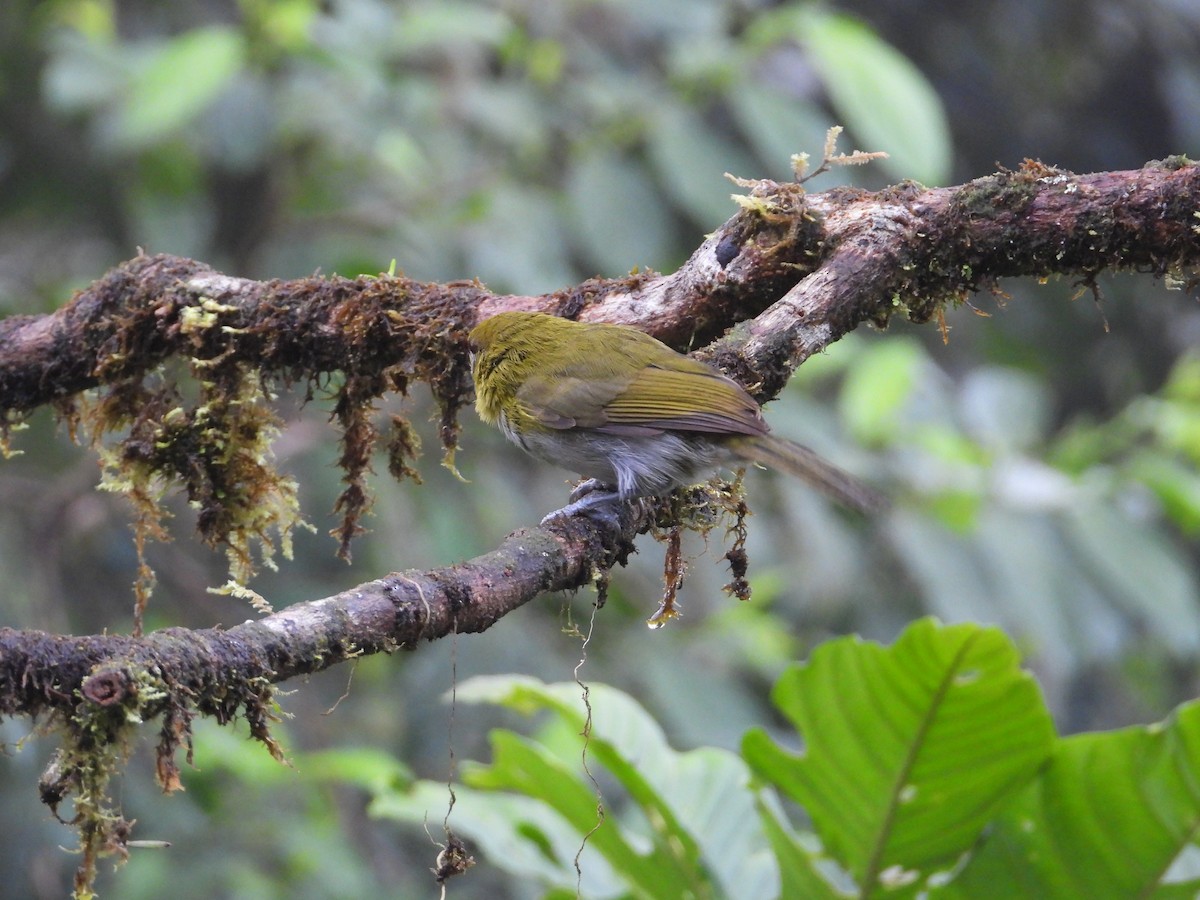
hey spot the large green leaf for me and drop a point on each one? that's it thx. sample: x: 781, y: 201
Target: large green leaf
x: 1107, y: 819
x: 697, y: 805
x: 908, y: 749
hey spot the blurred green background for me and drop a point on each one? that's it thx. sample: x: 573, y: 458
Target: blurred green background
x: 1043, y: 465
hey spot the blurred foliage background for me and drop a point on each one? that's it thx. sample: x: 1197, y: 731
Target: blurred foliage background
x: 1043, y: 460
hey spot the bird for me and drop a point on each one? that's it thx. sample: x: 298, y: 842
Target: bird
x: 632, y: 415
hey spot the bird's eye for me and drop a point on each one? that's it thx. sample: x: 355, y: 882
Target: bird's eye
x: 483, y: 363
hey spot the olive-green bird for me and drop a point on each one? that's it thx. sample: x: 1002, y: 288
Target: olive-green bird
x: 614, y: 404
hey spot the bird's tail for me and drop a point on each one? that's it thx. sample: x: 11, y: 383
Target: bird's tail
x: 796, y: 459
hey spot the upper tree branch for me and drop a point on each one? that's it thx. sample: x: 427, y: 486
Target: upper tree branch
x: 820, y: 265
x: 221, y: 670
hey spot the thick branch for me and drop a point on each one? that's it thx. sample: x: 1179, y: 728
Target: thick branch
x: 846, y: 256
x: 207, y: 669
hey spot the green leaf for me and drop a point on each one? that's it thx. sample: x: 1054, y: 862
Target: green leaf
x: 447, y: 25
x: 522, y: 766
x: 878, y: 386
x: 1106, y: 819
x: 1141, y: 572
x: 227, y: 748
x: 366, y: 767
x: 797, y: 864
x: 699, y: 803
x: 698, y: 810
x: 519, y: 834
x: 181, y: 79
x: 908, y: 749
x: 885, y: 100
x: 286, y: 22
x: 1183, y: 384
x: 1176, y: 486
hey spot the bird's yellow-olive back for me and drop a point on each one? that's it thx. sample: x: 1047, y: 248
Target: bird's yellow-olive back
x: 544, y: 372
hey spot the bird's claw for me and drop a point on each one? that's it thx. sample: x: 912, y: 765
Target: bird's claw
x: 590, y: 486
x: 594, y: 499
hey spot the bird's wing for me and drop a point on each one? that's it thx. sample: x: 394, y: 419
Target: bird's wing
x: 674, y: 393
x: 656, y: 400
x: 684, y: 398
x: 562, y: 400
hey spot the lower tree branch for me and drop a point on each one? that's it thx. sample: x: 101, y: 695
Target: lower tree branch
x: 42, y: 673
